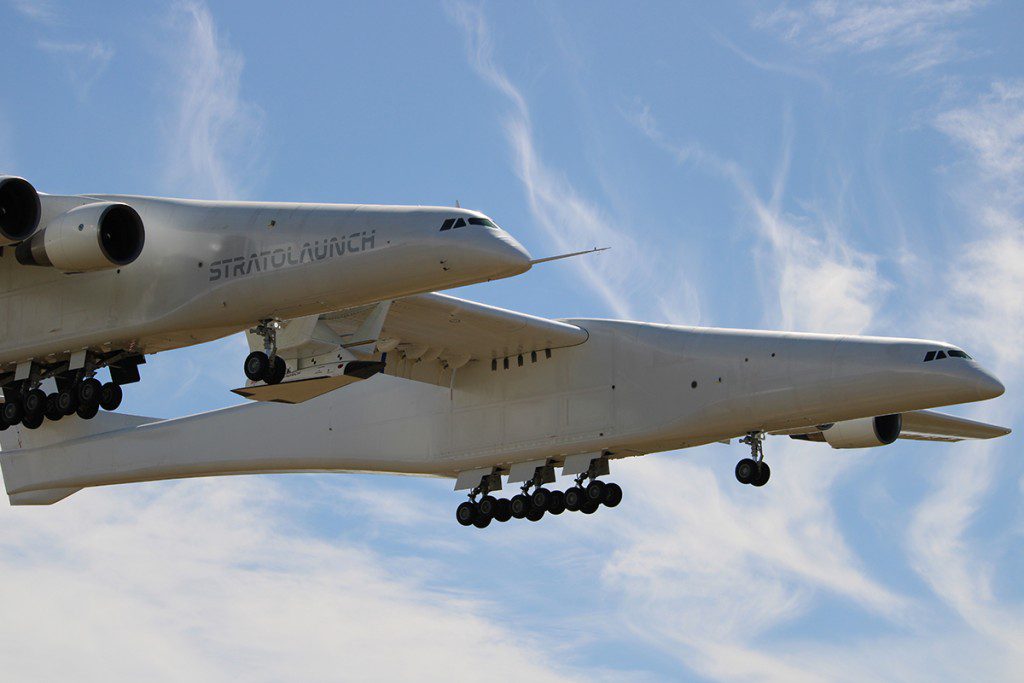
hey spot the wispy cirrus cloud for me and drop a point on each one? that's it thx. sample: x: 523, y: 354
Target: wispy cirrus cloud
x: 84, y: 62
x: 213, y: 148
x: 922, y: 33
x: 571, y: 220
x: 823, y: 283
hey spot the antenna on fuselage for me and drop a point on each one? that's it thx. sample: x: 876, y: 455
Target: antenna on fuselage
x: 457, y: 205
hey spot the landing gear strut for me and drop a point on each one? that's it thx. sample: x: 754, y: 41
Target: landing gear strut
x: 753, y: 470
x: 266, y: 365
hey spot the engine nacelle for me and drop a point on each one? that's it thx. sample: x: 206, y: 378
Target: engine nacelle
x: 865, y: 432
x: 19, y: 209
x: 90, y: 237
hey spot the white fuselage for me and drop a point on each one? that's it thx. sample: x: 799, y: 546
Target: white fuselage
x: 209, y: 269
x: 630, y: 389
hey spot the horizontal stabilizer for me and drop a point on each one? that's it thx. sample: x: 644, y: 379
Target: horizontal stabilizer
x: 303, y: 385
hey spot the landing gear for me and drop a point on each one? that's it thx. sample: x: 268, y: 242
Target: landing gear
x: 52, y: 412
x: 110, y: 396
x: 542, y: 501
x: 753, y: 470
x: 266, y: 365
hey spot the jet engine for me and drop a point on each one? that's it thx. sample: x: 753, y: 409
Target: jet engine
x: 90, y: 237
x: 865, y: 432
x: 19, y: 209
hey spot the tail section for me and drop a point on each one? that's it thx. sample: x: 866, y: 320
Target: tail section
x: 16, y: 464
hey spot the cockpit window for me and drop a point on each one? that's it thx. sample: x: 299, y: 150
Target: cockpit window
x: 951, y: 353
x: 447, y: 225
x: 451, y: 223
x: 460, y: 223
x: 482, y: 221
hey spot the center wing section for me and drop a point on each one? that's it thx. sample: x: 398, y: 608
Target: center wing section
x: 423, y: 338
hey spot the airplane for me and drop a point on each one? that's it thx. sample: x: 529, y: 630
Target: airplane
x: 94, y: 281
x: 491, y: 398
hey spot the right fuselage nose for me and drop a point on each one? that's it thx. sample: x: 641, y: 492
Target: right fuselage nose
x: 486, y: 253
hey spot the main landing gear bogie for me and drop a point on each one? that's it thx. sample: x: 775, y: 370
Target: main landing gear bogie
x: 541, y: 502
x: 84, y: 398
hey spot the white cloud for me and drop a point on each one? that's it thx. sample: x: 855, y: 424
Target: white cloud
x: 214, y: 580
x: 41, y: 11
x: 569, y: 219
x: 823, y: 283
x: 213, y: 144
x: 84, y: 62
x: 922, y: 32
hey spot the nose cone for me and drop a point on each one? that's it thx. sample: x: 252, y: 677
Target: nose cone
x: 986, y: 385
x: 501, y: 254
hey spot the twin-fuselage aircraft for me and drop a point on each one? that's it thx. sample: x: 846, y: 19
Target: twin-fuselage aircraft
x: 336, y: 295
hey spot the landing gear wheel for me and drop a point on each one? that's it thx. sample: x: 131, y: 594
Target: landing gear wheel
x: 745, y: 470
x: 481, y: 522
x: 110, y: 396
x: 612, y: 494
x: 519, y: 506
x: 540, y: 498
x: 556, y: 505
x: 762, y: 475
x: 589, y: 507
x: 487, y: 506
x: 465, y: 513
x: 275, y: 375
x: 13, y: 412
x: 32, y: 421
x: 67, y: 402
x: 89, y: 391
x: 52, y: 412
x: 34, y: 403
x: 87, y: 411
x: 535, y: 514
x: 3, y: 422
x: 256, y: 365
x: 574, y: 498
x: 503, y: 510
x: 595, y: 491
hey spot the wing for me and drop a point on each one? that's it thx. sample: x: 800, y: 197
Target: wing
x: 928, y: 425
x: 424, y: 338
x: 919, y: 425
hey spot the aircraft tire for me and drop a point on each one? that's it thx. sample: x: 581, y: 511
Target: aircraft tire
x: 540, y: 499
x: 535, y: 514
x: 762, y: 475
x: 52, y: 412
x: 556, y: 505
x: 87, y: 411
x: 13, y: 412
x: 110, y: 396
x: 519, y: 506
x: 487, y: 506
x: 589, y: 507
x: 277, y: 374
x: 503, y: 510
x: 574, y: 498
x: 481, y: 522
x: 465, y: 514
x: 67, y: 402
x: 595, y: 491
x: 89, y: 392
x: 612, y: 495
x: 256, y: 366
x: 3, y: 422
x: 32, y: 421
x: 34, y: 403
x: 745, y: 470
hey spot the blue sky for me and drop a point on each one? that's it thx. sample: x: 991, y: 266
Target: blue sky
x: 837, y: 167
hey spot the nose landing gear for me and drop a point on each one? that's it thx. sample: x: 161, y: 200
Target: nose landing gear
x: 753, y: 470
x: 266, y: 365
